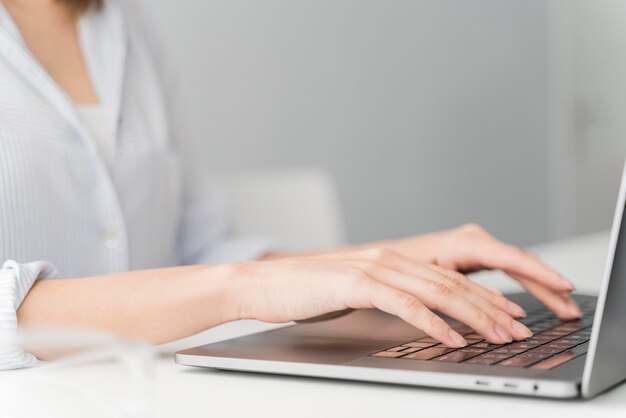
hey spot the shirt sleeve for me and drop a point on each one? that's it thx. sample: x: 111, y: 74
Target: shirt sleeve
x: 206, y: 232
x: 15, y: 282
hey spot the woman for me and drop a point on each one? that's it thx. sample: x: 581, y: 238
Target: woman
x: 89, y: 184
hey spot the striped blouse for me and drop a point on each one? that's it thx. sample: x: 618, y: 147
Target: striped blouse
x: 60, y: 202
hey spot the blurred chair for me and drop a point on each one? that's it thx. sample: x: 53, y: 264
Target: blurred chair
x: 299, y: 208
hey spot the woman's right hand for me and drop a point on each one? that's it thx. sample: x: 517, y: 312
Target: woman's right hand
x: 300, y: 288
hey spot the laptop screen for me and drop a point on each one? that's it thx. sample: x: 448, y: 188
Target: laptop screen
x: 606, y: 365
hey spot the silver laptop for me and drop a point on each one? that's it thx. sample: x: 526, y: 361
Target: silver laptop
x: 561, y: 360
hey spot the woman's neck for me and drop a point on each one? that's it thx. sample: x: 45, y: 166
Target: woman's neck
x: 49, y: 30
x: 40, y: 11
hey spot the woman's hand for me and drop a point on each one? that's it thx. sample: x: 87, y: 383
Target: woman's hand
x: 299, y: 288
x: 470, y: 248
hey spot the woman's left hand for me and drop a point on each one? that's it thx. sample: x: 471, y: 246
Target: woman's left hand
x: 470, y: 248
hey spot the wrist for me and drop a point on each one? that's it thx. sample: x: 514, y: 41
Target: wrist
x: 229, y: 291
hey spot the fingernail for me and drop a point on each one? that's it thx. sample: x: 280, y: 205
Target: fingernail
x: 503, y: 334
x: 573, y: 308
x: 568, y: 283
x: 521, y: 329
x: 518, y: 310
x: 456, y: 337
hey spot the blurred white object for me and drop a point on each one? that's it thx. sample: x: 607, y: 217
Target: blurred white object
x: 299, y: 208
x: 92, y: 375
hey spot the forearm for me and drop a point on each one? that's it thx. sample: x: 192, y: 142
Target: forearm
x: 151, y: 305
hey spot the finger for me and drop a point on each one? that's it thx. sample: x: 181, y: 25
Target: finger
x: 562, y: 304
x: 487, y: 293
x: 436, y: 295
x: 464, y: 288
x: 492, y: 253
x: 490, y: 321
x: 491, y: 289
x: 413, y: 311
x: 402, y: 262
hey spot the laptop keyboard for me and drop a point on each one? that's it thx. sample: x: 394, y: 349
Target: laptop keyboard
x: 554, y: 342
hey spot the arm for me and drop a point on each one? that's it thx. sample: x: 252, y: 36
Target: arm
x: 162, y: 305
x: 166, y: 304
x: 152, y: 305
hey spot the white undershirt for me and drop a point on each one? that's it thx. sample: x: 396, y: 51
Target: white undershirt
x: 94, y: 119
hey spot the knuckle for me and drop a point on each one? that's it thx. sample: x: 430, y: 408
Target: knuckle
x: 500, y: 300
x: 455, y: 285
x: 498, y: 313
x: 439, y: 288
x: 473, y: 228
x: 410, y: 305
x: 480, y: 317
x: 436, y: 324
x: 460, y: 277
x: 367, y: 265
x: 379, y: 253
x: 355, y: 275
x: 501, y: 316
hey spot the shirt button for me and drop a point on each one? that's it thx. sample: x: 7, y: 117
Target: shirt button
x: 111, y: 240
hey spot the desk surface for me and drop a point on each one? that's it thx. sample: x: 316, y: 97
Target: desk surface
x: 190, y: 392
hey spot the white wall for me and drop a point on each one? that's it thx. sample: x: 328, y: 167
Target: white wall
x: 429, y: 113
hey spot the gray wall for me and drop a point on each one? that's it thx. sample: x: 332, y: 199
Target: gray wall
x: 429, y: 113
x: 587, y: 104
x: 598, y: 117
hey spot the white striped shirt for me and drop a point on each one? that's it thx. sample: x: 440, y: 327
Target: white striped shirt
x: 61, y: 203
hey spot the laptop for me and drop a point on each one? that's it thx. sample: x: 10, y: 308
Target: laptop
x: 561, y: 360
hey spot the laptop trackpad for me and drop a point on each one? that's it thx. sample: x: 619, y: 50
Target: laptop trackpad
x: 338, y: 340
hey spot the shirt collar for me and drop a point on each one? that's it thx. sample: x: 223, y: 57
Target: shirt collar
x: 104, y: 40
x: 8, y: 25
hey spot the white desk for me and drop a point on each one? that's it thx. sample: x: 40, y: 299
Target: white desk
x: 189, y: 392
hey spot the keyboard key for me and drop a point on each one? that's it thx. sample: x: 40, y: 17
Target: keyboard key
x: 428, y: 353
x: 566, y: 340
x: 532, y: 340
x: 456, y: 357
x: 538, y: 356
x: 543, y: 337
x: 464, y: 330
x: 507, y: 350
x: 578, y: 337
x: 398, y: 348
x: 473, y: 349
x: 518, y: 362
x: 445, y: 346
x: 419, y: 344
x: 523, y: 344
x: 389, y: 354
x: 483, y: 360
x: 497, y: 356
x: 546, y: 350
x: 428, y: 340
x: 486, y: 345
x: 560, y: 344
x: 561, y: 358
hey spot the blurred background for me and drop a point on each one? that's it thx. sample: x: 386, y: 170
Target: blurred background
x: 426, y: 113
